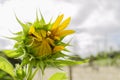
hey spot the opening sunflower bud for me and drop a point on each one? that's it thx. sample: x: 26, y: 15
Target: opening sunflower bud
x: 44, y: 40
x: 40, y: 45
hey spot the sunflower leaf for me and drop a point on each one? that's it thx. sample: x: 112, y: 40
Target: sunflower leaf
x: 6, y: 66
x: 58, y: 76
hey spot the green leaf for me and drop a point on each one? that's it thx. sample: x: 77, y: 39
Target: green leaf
x: 6, y: 66
x: 5, y: 76
x: 58, y: 76
x: 12, y: 53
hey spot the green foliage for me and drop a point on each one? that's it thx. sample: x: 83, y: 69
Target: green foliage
x: 58, y: 76
x: 24, y: 26
x: 6, y: 66
x: 106, y: 58
x: 39, y: 45
x: 39, y: 23
x: 61, y: 63
x: 20, y: 73
x: 5, y: 76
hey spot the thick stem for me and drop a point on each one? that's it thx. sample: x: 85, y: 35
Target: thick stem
x: 29, y: 72
x: 41, y: 75
x: 34, y: 73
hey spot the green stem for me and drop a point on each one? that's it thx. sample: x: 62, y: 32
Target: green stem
x: 29, y: 72
x: 42, y: 75
x: 34, y: 73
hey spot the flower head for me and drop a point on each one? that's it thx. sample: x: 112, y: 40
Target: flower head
x: 41, y: 39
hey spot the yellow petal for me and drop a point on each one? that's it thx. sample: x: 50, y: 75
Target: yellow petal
x: 56, y: 37
x: 32, y: 30
x: 38, y: 36
x: 58, y: 48
x: 51, y: 42
x: 55, y: 31
x: 64, y: 24
x: 57, y: 22
x: 66, y: 32
x: 45, y: 49
x: 43, y: 33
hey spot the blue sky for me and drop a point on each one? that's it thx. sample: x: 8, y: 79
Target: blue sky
x: 97, y: 22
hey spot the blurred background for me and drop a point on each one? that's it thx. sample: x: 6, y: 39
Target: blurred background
x: 97, y: 37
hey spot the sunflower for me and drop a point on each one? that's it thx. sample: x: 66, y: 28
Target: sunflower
x: 41, y: 39
x: 40, y: 45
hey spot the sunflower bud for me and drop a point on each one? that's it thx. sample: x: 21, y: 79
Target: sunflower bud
x: 43, y: 40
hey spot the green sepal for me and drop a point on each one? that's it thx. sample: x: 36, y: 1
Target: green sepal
x: 42, y: 66
x: 18, y: 33
x: 24, y: 26
x: 12, y: 53
x: 42, y: 21
x: 69, y: 62
x: 25, y: 61
x: 49, y: 25
x: 58, y: 55
x: 39, y: 23
x: 17, y: 38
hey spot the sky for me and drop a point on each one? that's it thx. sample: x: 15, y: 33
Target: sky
x: 96, y: 22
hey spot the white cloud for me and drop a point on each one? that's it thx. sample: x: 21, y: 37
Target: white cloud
x: 96, y: 19
x: 102, y: 21
x: 26, y: 11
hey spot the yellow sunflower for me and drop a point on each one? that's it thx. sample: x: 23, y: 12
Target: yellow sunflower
x: 43, y: 39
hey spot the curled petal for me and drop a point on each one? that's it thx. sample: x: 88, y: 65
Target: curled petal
x: 51, y: 42
x: 37, y: 36
x: 45, y: 49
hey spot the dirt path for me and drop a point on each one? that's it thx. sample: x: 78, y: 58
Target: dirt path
x: 87, y: 73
